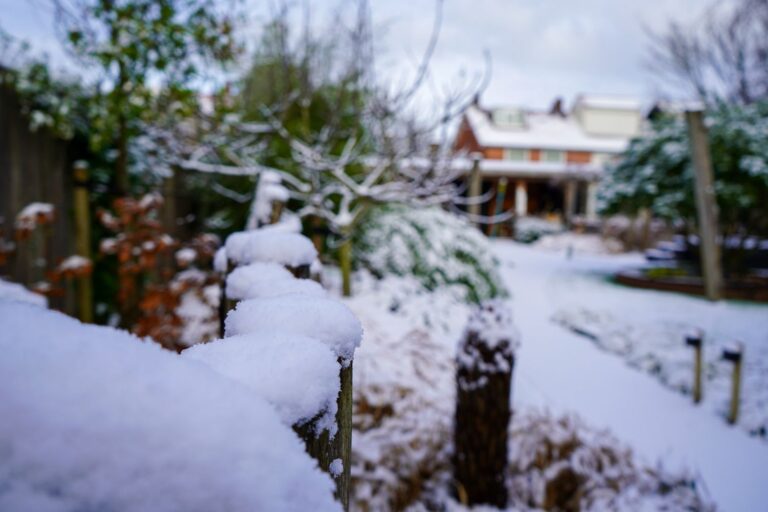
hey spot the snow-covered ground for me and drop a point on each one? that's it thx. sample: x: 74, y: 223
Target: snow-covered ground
x: 564, y: 372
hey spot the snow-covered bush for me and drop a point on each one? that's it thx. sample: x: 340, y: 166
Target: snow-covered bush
x: 530, y: 229
x: 437, y: 247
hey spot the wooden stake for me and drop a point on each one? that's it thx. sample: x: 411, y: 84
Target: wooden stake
x: 83, y: 239
x: 706, y: 205
x: 735, y: 355
x: 695, y: 340
x: 345, y: 263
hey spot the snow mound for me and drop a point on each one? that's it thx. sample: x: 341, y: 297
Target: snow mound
x: 270, y: 245
x: 96, y: 419
x: 322, y: 318
x: 298, y: 375
x: 281, y: 287
x: 17, y: 293
x: 255, y: 276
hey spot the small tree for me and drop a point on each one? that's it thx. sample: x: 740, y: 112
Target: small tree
x: 135, y: 47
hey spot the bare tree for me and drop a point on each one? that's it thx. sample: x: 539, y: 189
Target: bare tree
x: 723, y: 57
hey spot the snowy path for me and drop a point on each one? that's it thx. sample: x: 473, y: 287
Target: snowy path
x: 561, y: 371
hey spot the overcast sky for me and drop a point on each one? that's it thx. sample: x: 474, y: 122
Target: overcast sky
x: 539, y: 48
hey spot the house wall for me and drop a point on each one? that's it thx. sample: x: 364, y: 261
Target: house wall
x: 599, y: 121
x: 578, y: 157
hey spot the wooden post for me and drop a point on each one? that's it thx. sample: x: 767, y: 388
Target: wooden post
x: 501, y: 194
x: 475, y: 185
x: 483, y: 411
x: 345, y: 264
x: 694, y: 340
x: 83, y: 239
x: 569, y: 202
x: 706, y: 205
x: 734, y: 354
x: 330, y: 452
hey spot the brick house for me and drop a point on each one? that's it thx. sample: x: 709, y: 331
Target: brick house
x: 550, y: 160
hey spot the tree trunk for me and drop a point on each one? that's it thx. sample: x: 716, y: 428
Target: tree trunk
x: 345, y: 263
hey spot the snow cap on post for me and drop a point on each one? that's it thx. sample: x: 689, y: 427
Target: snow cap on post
x: 318, y: 317
x: 490, y: 339
x: 254, y: 275
x: 289, y: 249
x: 298, y: 375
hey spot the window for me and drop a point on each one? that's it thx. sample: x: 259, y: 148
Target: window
x: 516, y: 154
x: 549, y: 155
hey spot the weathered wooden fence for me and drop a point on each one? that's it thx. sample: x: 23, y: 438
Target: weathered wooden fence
x: 35, y: 166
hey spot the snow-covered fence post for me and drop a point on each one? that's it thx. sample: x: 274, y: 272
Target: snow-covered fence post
x: 270, y: 263
x: 83, y: 239
x: 734, y: 354
x: 694, y: 340
x: 485, y: 361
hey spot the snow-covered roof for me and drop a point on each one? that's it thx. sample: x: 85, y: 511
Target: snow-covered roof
x: 541, y: 131
x: 511, y: 168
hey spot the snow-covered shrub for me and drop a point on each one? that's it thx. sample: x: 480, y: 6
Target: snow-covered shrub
x: 530, y: 229
x: 437, y: 247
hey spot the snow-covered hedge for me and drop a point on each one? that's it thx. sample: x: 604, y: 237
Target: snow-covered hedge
x: 437, y: 247
x: 96, y: 419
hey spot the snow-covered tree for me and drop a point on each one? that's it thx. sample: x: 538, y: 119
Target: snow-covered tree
x: 656, y: 172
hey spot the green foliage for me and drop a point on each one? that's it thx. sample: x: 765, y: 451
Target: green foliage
x: 59, y: 103
x: 436, y: 247
x: 656, y: 171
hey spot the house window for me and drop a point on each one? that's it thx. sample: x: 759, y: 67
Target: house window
x: 518, y: 155
x: 549, y: 155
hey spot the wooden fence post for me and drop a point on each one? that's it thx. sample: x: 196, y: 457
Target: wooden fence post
x: 333, y: 455
x: 706, y: 205
x: 83, y: 240
x: 483, y: 410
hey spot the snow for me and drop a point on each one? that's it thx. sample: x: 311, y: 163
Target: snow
x: 268, y: 191
x: 33, y: 214
x: 493, y: 322
x: 541, y: 131
x: 74, y: 263
x: 281, y: 287
x: 563, y: 372
x: 336, y: 467
x: 96, y: 419
x: 17, y: 293
x: 267, y: 245
x: 248, y: 279
x: 185, y: 256
x: 322, y: 318
x: 220, y: 260
x: 298, y: 375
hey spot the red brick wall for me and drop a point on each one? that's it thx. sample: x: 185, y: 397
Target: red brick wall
x: 578, y: 157
x: 535, y: 155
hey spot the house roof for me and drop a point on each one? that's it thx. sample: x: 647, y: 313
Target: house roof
x: 541, y: 131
